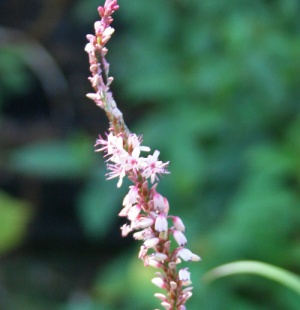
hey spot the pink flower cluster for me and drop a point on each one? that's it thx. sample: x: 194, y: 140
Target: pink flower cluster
x: 148, y: 214
x: 145, y: 208
x: 127, y: 161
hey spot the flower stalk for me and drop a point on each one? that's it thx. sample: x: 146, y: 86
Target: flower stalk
x: 145, y: 208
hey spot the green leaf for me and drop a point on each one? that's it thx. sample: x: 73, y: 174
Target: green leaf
x: 282, y: 276
x: 54, y: 159
x: 15, y: 215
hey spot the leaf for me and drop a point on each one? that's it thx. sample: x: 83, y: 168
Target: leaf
x: 282, y: 276
x: 54, y: 159
x: 15, y: 215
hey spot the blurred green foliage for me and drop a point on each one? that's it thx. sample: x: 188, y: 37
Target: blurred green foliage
x: 54, y: 159
x: 214, y: 85
x: 217, y: 84
x: 15, y: 215
x: 12, y: 73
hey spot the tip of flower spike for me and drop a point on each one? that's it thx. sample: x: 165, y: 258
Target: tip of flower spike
x: 110, y: 7
x: 101, y: 11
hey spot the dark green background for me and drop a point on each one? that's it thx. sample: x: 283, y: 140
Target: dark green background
x: 214, y: 85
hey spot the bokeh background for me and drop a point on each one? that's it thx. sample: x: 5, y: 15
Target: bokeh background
x: 214, y: 85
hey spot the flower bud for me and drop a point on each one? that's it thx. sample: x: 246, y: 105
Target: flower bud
x: 178, y: 223
x: 161, y: 223
x: 159, y: 282
x: 166, y: 305
x: 150, y: 243
x: 187, y: 255
x: 160, y: 296
x: 179, y: 237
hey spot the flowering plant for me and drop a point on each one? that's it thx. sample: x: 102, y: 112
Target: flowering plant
x: 145, y: 208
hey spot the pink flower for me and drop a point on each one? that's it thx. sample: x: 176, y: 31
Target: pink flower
x: 152, y: 166
x: 142, y: 222
x: 150, y: 243
x: 125, y: 229
x: 184, y: 276
x: 187, y: 255
x: 173, y: 285
x: 124, y: 211
x: 117, y: 171
x: 161, y: 223
x: 178, y: 223
x: 160, y: 296
x: 160, y: 202
x: 188, y: 289
x: 143, y: 252
x: 97, y: 99
x: 144, y: 234
x: 135, y: 141
x: 109, y: 7
x: 159, y: 282
x: 159, y: 257
x: 148, y: 261
x: 131, y: 197
x: 133, y: 212
x: 185, y: 297
x: 132, y: 162
x: 179, y: 237
x: 166, y: 305
x: 112, y: 146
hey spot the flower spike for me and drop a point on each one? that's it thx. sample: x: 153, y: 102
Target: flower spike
x: 147, y: 210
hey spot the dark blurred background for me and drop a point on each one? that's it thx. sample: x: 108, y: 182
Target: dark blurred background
x: 214, y: 85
